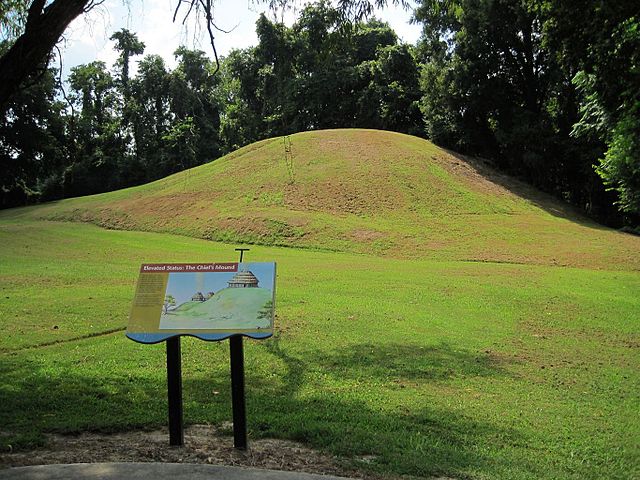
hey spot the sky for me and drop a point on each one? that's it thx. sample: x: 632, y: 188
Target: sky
x: 87, y: 38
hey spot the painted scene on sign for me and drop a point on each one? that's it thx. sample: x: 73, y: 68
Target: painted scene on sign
x: 220, y: 300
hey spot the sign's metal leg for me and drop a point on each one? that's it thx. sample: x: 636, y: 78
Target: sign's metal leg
x: 174, y: 390
x: 237, y: 392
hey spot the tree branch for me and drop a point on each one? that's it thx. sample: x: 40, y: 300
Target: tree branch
x: 34, y: 12
x: 43, y: 29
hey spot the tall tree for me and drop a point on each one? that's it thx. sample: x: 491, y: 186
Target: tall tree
x: 128, y: 44
x: 390, y: 100
x: 317, y: 74
x: 33, y: 142
x: 98, y: 144
x: 599, y: 42
x: 240, y: 119
x: 194, y: 110
x: 494, y: 86
x: 44, y: 22
x: 150, y: 90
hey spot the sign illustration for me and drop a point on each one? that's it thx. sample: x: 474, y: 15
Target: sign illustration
x: 211, y: 301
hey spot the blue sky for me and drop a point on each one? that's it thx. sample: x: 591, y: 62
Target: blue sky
x: 87, y: 38
x: 184, y: 285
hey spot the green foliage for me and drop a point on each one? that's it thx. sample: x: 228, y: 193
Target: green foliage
x: 192, y: 91
x: 127, y: 44
x: 98, y: 145
x: 496, y: 81
x: 545, y: 88
x: 116, y: 132
x: 390, y: 99
x: 180, y: 141
x: 316, y: 75
x: 150, y: 92
x: 495, y: 71
x: 241, y: 121
x: 620, y: 167
x: 13, y: 16
x: 609, y: 85
x: 438, y: 107
x: 594, y: 121
x: 32, y: 141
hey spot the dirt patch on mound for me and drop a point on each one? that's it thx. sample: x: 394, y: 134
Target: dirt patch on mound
x: 203, y: 444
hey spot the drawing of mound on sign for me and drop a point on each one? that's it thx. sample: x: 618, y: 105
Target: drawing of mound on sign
x: 234, y: 301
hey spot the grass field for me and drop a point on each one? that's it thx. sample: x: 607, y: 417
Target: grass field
x: 467, y: 369
x: 433, y: 365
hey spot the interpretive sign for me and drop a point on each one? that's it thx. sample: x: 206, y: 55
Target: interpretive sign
x: 211, y: 301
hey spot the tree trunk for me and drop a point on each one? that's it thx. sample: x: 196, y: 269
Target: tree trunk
x: 31, y: 50
x: 532, y: 99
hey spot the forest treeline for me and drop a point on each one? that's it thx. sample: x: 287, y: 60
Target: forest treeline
x: 548, y: 91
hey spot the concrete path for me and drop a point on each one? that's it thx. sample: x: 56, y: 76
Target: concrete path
x: 151, y: 471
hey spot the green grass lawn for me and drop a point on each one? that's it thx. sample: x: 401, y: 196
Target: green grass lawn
x: 464, y: 369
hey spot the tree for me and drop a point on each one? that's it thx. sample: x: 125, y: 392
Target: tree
x: 391, y: 98
x: 127, y: 44
x: 495, y: 85
x: 151, y: 95
x: 318, y: 75
x: 194, y: 109
x: 33, y: 143
x: 240, y: 121
x: 169, y: 301
x: 334, y: 77
x: 37, y: 26
x: 599, y: 44
x: 44, y: 22
x: 620, y: 167
x: 99, y: 147
x: 180, y: 145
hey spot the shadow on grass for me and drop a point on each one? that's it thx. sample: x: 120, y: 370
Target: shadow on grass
x: 414, y: 439
x: 545, y: 201
x: 406, y: 362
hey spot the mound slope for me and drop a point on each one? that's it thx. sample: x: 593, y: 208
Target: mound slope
x: 362, y: 191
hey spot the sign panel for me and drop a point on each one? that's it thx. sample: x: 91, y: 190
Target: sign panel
x: 211, y: 301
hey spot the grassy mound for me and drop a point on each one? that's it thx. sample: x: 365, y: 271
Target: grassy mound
x: 362, y: 191
x: 444, y: 363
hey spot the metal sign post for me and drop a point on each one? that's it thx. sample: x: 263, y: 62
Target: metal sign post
x: 174, y: 392
x: 238, y: 301
x: 236, y: 354
x: 237, y: 392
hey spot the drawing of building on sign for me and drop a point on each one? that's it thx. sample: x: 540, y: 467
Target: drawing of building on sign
x: 244, y: 279
x: 198, y: 297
